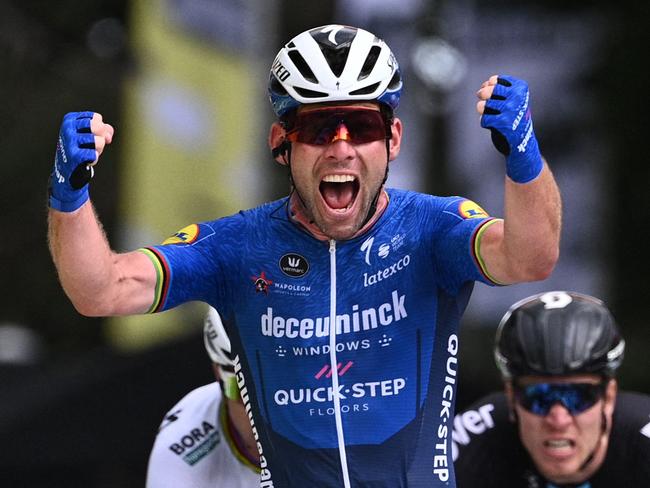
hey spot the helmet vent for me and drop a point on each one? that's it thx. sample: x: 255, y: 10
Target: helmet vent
x: 395, y: 81
x: 370, y: 62
x: 366, y: 90
x: 303, y: 92
x: 302, y: 66
x: 276, y: 87
x: 336, y: 57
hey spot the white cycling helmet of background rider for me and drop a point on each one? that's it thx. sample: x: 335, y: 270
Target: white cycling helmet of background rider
x: 217, y: 344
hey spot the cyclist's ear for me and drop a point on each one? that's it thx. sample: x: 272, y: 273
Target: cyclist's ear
x: 278, y: 143
x: 510, y: 398
x: 610, y: 398
x: 395, y: 140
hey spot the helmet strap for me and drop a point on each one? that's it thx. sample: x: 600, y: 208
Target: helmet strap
x: 388, y: 121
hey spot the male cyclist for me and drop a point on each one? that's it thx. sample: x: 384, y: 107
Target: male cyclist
x: 342, y: 300
x: 205, y: 440
x: 562, y: 421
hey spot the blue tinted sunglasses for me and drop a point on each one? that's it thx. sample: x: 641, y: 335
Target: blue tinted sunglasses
x: 575, y: 397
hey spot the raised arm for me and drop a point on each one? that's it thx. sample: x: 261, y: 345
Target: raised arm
x: 98, y: 281
x: 525, y: 245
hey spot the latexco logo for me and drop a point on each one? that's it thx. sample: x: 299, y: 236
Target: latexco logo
x: 374, y: 278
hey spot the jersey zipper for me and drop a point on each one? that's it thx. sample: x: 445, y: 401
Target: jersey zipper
x: 334, y: 366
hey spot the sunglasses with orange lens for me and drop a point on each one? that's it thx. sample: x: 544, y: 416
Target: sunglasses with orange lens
x: 324, y: 126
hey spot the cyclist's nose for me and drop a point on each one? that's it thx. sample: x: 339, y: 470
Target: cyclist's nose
x: 340, y: 147
x: 558, y: 416
x: 341, y: 134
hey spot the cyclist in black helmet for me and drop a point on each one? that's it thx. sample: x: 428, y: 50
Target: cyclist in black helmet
x: 561, y: 421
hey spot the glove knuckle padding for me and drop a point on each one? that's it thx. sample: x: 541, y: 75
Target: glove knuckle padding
x: 508, y: 117
x: 76, y: 149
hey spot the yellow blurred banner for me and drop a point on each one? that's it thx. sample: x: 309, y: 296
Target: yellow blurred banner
x: 189, y: 137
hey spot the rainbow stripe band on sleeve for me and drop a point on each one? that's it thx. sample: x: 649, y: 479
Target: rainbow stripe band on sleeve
x: 476, y: 249
x: 231, y: 435
x: 162, y: 278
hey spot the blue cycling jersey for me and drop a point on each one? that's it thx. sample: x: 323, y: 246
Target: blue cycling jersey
x: 346, y: 352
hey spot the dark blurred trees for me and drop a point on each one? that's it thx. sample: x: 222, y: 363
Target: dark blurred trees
x: 55, y: 57
x: 623, y: 97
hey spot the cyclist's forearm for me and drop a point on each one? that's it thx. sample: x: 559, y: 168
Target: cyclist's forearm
x: 532, y: 226
x: 98, y: 281
x: 525, y: 246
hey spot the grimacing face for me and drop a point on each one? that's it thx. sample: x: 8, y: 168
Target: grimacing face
x: 337, y: 182
x: 559, y: 443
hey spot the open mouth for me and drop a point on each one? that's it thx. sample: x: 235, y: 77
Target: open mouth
x: 339, y: 191
x: 559, y: 443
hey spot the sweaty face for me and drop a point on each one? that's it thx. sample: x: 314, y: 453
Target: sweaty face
x: 338, y: 179
x: 559, y: 443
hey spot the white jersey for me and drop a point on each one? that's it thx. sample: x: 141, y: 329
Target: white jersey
x: 194, y: 447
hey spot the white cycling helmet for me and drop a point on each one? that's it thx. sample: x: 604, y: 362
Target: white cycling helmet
x: 217, y: 344
x: 216, y: 340
x: 334, y: 63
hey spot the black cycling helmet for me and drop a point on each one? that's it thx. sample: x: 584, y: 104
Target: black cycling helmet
x: 334, y: 63
x: 558, y: 333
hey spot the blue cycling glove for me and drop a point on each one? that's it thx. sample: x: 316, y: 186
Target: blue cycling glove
x: 507, y: 115
x: 75, y: 152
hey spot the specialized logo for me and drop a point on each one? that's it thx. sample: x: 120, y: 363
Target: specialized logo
x: 294, y: 265
x: 197, y: 443
x: 358, y: 320
x: 280, y: 71
x: 262, y: 283
x: 187, y: 235
x: 332, y: 30
x: 470, y: 210
x: 384, y: 249
x: 366, y: 247
x: 169, y: 418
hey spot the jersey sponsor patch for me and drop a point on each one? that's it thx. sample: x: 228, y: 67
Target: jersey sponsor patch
x: 187, y: 235
x: 470, y: 210
x: 646, y: 430
x: 294, y: 265
x: 197, y: 443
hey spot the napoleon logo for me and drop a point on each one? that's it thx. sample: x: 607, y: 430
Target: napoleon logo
x: 262, y: 283
x: 294, y: 265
